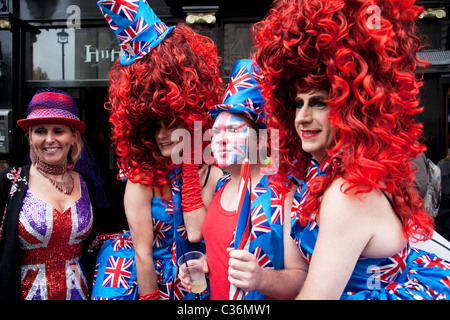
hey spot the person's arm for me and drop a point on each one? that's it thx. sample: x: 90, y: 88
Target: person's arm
x: 246, y: 273
x: 193, y: 219
x: 137, y: 202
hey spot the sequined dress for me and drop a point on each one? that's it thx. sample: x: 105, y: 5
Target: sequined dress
x: 50, y: 248
x: 411, y: 274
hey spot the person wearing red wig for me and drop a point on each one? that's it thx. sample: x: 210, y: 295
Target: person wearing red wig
x: 166, y: 79
x: 339, y: 81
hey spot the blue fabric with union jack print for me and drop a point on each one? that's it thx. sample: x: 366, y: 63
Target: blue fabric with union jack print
x: 169, y: 233
x: 135, y: 25
x: 243, y: 94
x: 411, y: 274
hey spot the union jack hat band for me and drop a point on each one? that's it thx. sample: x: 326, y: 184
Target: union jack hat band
x: 135, y: 25
x: 52, y: 106
x: 243, y: 94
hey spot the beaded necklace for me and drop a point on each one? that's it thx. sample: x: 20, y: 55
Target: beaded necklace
x: 65, y: 186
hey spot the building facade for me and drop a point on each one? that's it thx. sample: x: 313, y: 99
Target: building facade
x: 68, y: 44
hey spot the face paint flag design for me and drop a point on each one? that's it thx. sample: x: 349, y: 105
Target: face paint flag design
x: 243, y: 227
x: 229, y: 142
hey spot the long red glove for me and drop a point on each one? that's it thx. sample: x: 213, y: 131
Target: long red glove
x: 191, y: 192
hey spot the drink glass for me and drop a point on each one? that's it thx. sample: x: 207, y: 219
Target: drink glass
x: 193, y: 268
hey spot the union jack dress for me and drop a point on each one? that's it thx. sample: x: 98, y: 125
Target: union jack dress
x: 50, y: 248
x: 411, y: 274
x: 115, y: 271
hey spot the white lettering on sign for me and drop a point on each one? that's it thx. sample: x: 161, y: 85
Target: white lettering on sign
x: 95, y: 55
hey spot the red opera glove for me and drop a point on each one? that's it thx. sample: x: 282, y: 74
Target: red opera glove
x: 191, y: 192
x: 150, y: 296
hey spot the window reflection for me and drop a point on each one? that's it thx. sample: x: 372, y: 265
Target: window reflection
x: 237, y: 45
x: 89, y: 53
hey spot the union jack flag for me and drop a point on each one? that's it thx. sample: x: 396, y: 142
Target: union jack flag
x: 427, y: 261
x: 257, y: 111
x: 178, y: 290
x: 160, y: 231
x: 259, y: 222
x: 124, y: 8
x: 118, y: 272
x: 257, y: 191
x: 122, y: 242
x: 276, y: 203
x: 182, y: 231
x: 262, y: 258
x: 389, y: 272
x: 164, y: 291
x: 244, y: 225
x: 160, y: 28
x: 241, y: 239
x: 242, y: 80
x: 128, y: 34
x: 446, y: 281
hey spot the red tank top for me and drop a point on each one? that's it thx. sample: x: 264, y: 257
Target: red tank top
x: 218, y: 228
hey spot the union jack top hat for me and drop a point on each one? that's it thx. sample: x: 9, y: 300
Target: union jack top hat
x: 135, y: 25
x: 243, y: 94
x: 52, y: 106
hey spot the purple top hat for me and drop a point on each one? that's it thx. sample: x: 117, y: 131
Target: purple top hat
x: 135, y: 25
x: 52, y: 106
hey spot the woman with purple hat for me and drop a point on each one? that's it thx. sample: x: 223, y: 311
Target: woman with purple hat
x: 46, y: 208
x: 263, y: 264
x: 164, y: 82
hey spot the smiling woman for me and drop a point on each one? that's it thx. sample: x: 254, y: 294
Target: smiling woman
x: 49, y: 213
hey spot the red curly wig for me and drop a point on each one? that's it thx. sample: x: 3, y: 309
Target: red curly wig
x: 368, y: 69
x: 179, y: 79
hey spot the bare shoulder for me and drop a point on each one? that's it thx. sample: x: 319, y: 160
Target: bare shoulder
x: 356, y: 198
x: 366, y: 216
x: 209, y: 174
x: 137, y: 192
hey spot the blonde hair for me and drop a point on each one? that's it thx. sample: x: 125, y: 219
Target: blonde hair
x: 72, y: 156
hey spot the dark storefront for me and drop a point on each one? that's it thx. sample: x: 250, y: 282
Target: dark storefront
x: 68, y: 44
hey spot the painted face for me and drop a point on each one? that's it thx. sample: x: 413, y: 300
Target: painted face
x: 313, y: 124
x: 52, y: 142
x: 229, y: 141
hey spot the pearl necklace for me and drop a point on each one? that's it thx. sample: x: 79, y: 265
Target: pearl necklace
x: 65, y: 186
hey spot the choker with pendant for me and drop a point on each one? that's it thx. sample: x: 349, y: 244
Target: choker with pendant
x: 45, y: 169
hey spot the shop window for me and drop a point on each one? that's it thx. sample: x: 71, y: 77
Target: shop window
x: 237, y: 45
x: 72, y: 54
